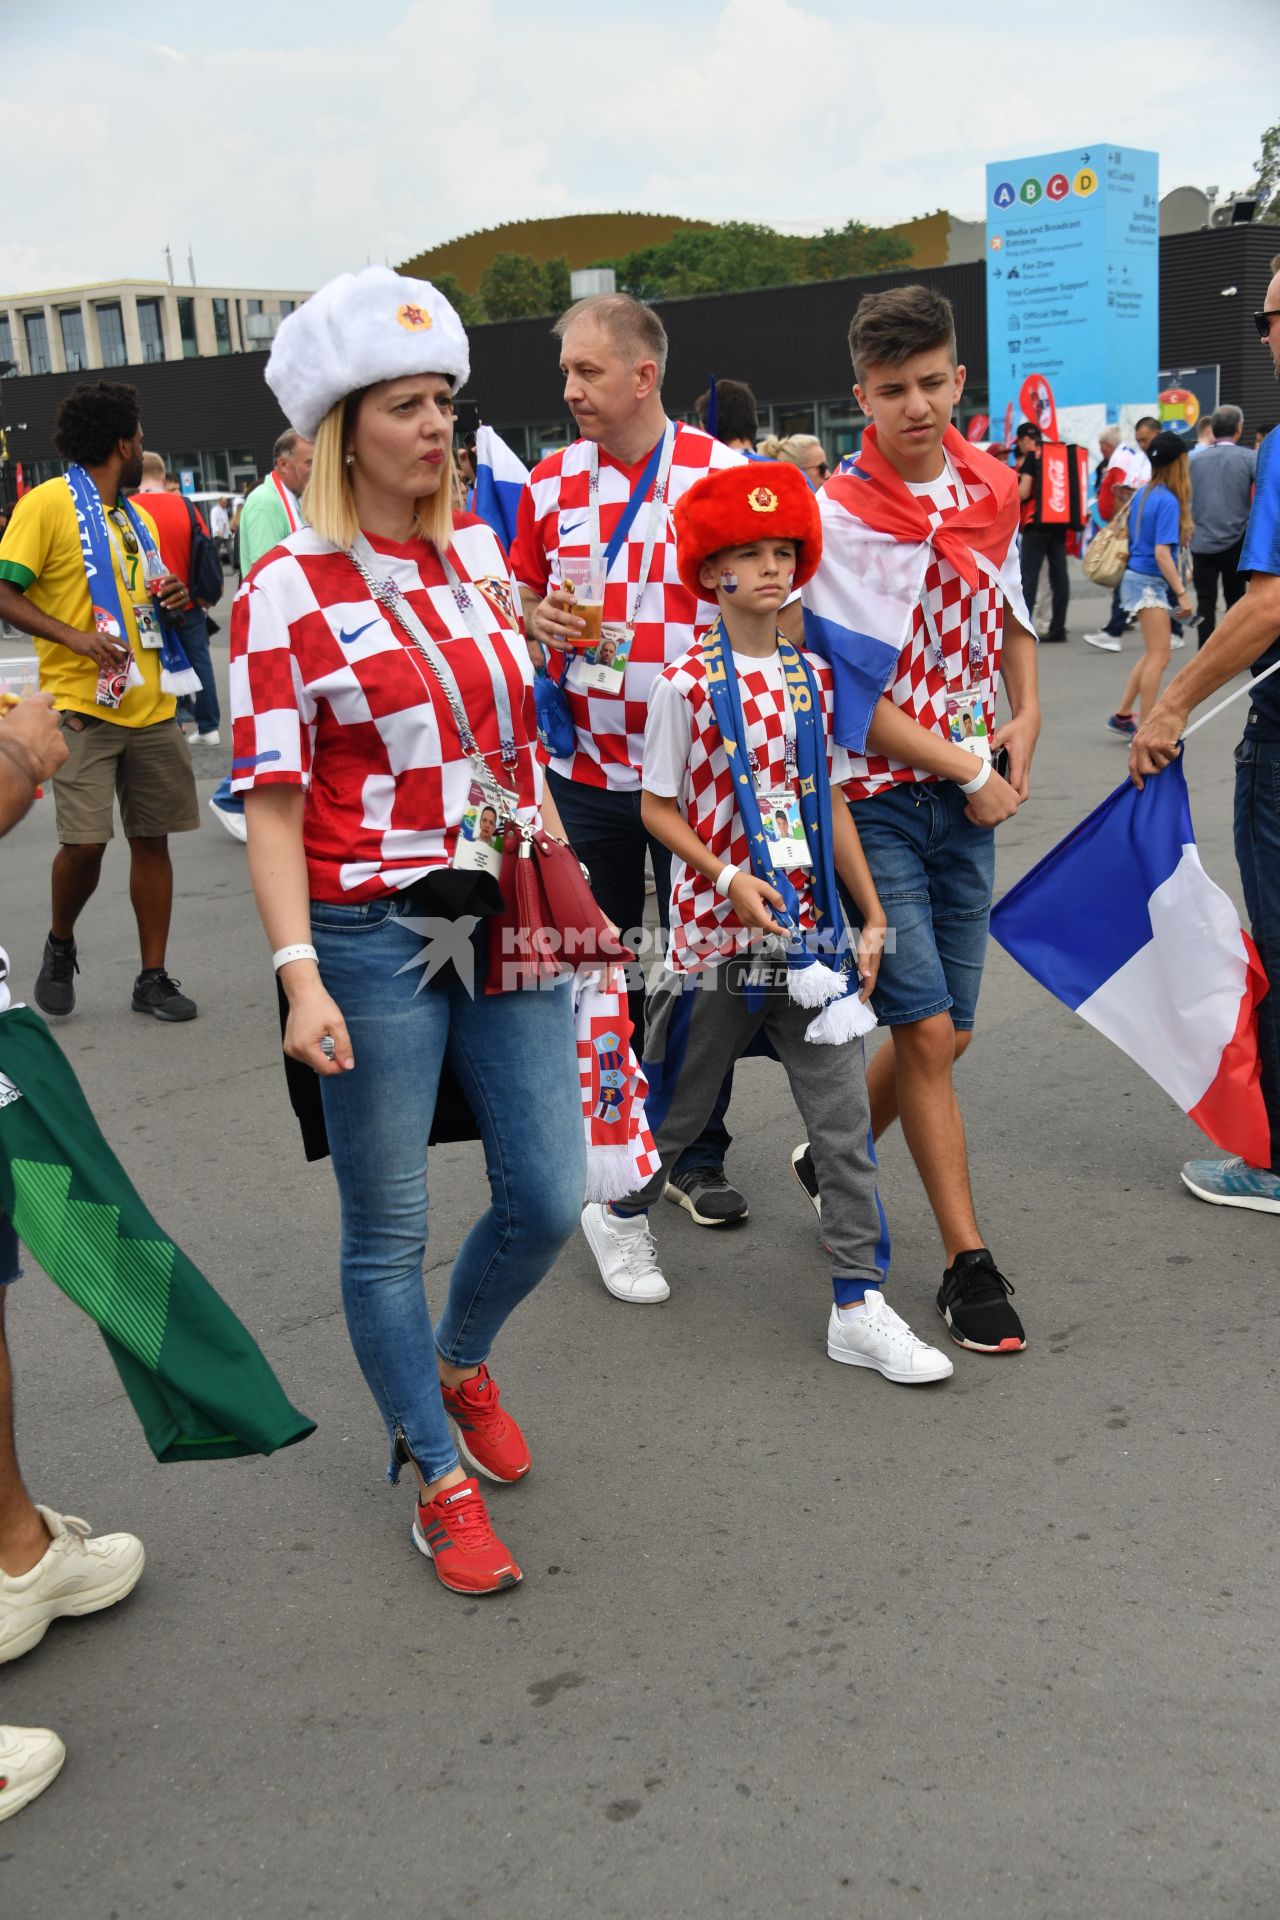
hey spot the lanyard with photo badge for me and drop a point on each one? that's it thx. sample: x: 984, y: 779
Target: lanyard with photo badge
x: 966, y: 721
x: 604, y: 668
x: 780, y: 806
x: 491, y: 806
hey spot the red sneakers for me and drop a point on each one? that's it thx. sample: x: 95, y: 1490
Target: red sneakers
x: 455, y: 1533
x: 489, y: 1440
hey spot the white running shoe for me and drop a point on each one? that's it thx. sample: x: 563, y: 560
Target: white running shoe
x: 232, y: 819
x: 1105, y: 642
x: 80, y: 1573
x: 626, y: 1255
x: 211, y: 739
x: 1177, y: 640
x: 880, y: 1338
x: 30, y: 1757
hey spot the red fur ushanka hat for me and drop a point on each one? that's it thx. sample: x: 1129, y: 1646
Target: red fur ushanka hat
x: 736, y: 506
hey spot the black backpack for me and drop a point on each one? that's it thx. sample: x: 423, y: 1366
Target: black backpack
x: 204, y: 581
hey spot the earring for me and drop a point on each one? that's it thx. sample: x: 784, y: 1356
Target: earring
x: 350, y: 459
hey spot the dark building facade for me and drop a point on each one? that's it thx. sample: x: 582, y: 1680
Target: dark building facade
x: 219, y: 418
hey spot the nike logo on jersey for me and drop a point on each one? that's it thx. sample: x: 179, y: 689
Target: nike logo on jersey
x: 575, y: 527
x: 349, y: 639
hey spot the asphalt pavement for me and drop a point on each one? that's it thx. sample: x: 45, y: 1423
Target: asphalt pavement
x: 791, y: 1640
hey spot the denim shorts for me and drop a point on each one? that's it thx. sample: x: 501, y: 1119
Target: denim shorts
x: 9, y: 1267
x: 1138, y: 591
x: 934, y: 871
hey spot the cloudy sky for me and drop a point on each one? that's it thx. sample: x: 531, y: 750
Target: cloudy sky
x: 284, y: 142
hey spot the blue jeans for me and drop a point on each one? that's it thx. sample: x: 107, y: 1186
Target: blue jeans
x: 1257, y: 832
x: 193, y: 631
x: 608, y: 836
x: 934, y: 871
x: 516, y: 1058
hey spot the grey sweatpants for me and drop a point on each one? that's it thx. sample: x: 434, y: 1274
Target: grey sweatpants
x: 702, y: 1023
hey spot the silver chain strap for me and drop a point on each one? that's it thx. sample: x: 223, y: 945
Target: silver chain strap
x: 388, y: 595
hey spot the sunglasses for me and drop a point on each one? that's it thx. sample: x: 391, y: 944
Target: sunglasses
x: 821, y: 468
x: 126, y: 532
x: 1262, y: 321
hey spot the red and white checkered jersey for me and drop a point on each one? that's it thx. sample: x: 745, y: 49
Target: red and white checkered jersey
x: 329, y: 694
x: 919, y: 685
x: 553, y: 520
x: 685, y: 760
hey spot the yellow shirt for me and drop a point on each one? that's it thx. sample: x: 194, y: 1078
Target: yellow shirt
x: 40, y: 555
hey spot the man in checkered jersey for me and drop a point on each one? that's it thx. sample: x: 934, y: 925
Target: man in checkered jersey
x: 613, y: 357
x: 921, y: 544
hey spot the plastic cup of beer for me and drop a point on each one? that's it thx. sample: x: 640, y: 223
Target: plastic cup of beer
x: 582, y: 578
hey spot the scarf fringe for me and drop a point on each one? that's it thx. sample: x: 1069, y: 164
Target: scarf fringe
x: 611, y: 1174
x: 845, y: 1019
x: 179, y: 680
x: 814, y: 985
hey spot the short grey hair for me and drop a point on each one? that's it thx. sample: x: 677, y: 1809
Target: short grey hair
x: 1225, y: 421
x: 1109, y: 436
x: 285, y: 445
x: 633, y: 326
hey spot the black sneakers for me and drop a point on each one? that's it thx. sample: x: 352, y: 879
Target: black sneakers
x: 807, y: 1174
x: 154, y: 992
x: 55, y: 990
x: 704, y: 1193
x: 974, y: 1301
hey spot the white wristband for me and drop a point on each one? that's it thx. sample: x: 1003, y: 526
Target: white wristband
x: 979, y: 779
x: 724, y: 880
x: 283, y: 955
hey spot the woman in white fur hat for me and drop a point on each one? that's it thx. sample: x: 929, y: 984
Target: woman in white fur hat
x: 382, y: 690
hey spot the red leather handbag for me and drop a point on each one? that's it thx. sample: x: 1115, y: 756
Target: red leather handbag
x: 550, y: 921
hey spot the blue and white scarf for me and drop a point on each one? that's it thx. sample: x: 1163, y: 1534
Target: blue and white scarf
x: 829, y: 983
x: 177, y: 675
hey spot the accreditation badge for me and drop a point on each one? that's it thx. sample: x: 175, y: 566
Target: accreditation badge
x: 783, y: 827
x: 481, y: 835
x: 966, y: 723
x: 604, y: 666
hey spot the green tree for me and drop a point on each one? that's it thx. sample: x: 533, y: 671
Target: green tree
x: 854, y: 248
x: 740, y: 254
x: 559, y: 285
x: 514, y: 286
x: 469, y: 309
x: 1267, y: 184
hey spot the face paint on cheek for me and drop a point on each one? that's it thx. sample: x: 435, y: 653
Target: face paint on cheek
x: 728, y: 580
x: 790, y: 577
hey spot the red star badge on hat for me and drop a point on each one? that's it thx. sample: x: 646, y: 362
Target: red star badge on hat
x: 413, y: 319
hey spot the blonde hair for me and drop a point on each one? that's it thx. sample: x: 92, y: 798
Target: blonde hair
x: 792, y: 449
x: 329, y: 502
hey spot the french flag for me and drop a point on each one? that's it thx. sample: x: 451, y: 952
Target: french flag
x: 501, y: 477
x: 1121, y: 922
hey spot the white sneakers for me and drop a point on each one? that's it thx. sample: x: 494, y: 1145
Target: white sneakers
x: 1104, y: 641
x: 80, y: 1573
x: 30, y: 1757
x: 626, y: 1255
x: 231, y: 818
x: 880, y: 1338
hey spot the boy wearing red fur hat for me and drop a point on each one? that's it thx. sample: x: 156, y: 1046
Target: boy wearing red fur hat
x: 918, y: 606
x: 738, y: 746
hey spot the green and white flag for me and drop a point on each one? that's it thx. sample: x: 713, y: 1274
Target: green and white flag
x: 197, y: 1379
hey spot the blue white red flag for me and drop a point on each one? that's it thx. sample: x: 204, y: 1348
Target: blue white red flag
x: 501, y: 477
x: 1121, y: 922
x: 877, y: 544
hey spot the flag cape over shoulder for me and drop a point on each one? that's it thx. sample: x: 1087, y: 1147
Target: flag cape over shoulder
x: 196, y: 1377
x: 1121, y: 922
x: 877, y: 546
x: 501, y: 477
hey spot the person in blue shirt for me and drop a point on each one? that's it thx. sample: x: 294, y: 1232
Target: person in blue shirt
x: 1247, y: 637
x: 1160, y: 527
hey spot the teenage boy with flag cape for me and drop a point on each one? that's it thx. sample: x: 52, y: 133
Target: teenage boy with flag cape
x: 737, y: 776
x: 918, y: 608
